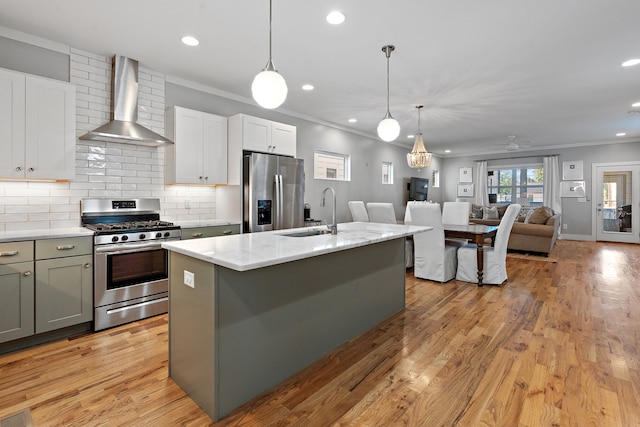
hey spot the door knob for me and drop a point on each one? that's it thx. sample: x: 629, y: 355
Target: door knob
x: 26, y: 273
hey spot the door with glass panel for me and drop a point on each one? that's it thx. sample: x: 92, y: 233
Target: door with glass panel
x: 617, y: 191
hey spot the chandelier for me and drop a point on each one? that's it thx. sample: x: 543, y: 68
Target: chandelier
x: 419, y: 157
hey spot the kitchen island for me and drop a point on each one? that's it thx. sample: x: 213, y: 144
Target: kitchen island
x: 248, y: 311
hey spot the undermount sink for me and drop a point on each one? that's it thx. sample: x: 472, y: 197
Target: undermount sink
x: 307, y: 233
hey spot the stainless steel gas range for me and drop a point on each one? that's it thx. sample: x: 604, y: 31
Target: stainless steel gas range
x: 130, y: 267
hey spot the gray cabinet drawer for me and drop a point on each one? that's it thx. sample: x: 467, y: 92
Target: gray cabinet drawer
x: 16, y: 252
x: 212, y: 231
x: 63, y: 247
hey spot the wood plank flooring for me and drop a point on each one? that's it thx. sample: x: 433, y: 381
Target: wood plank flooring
x: 557, y: 345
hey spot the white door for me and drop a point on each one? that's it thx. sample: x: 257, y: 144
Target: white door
x: 617, y: 198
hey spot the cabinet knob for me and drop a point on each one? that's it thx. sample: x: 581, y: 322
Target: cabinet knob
x: 206, y: 178
x: 200, y: 177
x: 197, y: 235
x: 31, y: 169
x: 228, y: 232
x: 18, y: 168
x: 87, y: 265
x: 9, y: 253
x: 26, y: 273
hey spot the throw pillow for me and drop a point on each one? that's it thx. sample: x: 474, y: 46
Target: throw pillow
x: 540, y: 215
x: 477, y: 211
x: 489, y: 212
x: 501, y: 210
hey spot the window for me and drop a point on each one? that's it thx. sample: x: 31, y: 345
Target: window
x: 387, y: 173
x: 521, y: 183
x: 331, y: 166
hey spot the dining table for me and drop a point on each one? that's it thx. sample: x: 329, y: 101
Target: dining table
x: 477, y: 233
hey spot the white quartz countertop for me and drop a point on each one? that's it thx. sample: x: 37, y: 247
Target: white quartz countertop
x: 205, y: 223
x: 249, y: 251
x: 46, y: 233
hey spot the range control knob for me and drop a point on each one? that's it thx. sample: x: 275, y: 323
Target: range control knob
x: 114, y: 239
x: 124, y: 238
x: 142, y: 237
x: 158, y: 235
x: 167, y: 234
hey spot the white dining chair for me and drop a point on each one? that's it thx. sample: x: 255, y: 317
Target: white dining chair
x: 384, y: 213
x: 495, y: 258
x: 456, y: 213
x: 432, y: 258
x: 381, y: 212
x: 358, y: 211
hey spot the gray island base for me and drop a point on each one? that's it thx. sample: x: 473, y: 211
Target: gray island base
x: 236, y: 334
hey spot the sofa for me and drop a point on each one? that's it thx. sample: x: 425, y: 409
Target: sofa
x: 535, y: 232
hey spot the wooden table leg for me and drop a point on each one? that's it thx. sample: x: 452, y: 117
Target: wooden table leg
x: 480, y: 260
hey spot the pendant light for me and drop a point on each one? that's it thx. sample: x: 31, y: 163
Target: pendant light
x: 388, y: 128
x: 419, y: 157
x: 269, y: 88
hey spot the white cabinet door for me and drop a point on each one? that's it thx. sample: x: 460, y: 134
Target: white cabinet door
x: 50, y: 134
x: 199, y: 153
x: 256, y: 134
x: 37, y: 127
x: 283, y: 139
x: 215, y: 149
x: 12, y: 124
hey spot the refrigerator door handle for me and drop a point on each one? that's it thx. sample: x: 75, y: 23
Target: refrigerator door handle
x: 278, y: 202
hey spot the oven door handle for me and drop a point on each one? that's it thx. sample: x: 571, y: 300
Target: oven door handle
x: 127, y: 248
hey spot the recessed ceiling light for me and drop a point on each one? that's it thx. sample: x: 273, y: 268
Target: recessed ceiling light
x: 447, y: 151
x: 190, y: 41
x: 307, y: 87
x: 336, y: 17
x: 410, y: 136
x: 631, y: 62
x: 636, y: 104
x: 353, y: 120
x: 621, y: 134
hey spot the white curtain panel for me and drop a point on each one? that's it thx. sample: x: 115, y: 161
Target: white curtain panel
x: 551, y: 192
x: 482, y: 192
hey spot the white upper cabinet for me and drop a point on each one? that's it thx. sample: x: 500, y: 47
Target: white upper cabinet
x: 256, y: 134
x: 199, y: 152
x: 37, y: 127
x: 266, y: 136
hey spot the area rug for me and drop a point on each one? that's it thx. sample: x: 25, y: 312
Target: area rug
x: 20, y: 419
x: 532, y: 257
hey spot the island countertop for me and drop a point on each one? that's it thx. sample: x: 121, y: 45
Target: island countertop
x: 250, y: 251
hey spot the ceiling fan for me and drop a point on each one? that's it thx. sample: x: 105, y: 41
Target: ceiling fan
x: 512, y: 145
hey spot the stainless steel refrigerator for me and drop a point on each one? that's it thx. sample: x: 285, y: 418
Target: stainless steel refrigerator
x: 273, y: 192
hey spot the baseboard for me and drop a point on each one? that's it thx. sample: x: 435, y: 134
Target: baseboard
x: 584, y: 237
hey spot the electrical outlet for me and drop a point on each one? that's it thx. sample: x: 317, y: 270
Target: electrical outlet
x: 189, y: 279
x: 564, y: 226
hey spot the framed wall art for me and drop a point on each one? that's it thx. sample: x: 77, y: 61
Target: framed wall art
x: 572, y: 170
x: 466, y: 175
x: 572, y: 189
x: 465, y: 190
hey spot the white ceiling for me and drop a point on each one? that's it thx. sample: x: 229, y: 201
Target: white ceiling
x: 547, y: 71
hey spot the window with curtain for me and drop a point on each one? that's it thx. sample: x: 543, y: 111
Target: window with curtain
x: 510, y: 185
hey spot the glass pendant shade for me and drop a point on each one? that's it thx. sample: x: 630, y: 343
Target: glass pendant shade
x: 269, y: 88
x: 388, y: 128
x: 419, y: 157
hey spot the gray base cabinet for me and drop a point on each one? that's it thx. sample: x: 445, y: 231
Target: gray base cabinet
x: 64, y: 289
x: 16, y: 291
x: 64, y: 282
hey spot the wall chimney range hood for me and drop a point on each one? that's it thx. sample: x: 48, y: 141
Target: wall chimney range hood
x: 123, y: 127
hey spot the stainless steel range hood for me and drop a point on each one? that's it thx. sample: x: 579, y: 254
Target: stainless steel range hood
x: 123, y: 127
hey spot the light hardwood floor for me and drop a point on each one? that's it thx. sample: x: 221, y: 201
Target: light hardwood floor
x: 557, y: 345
